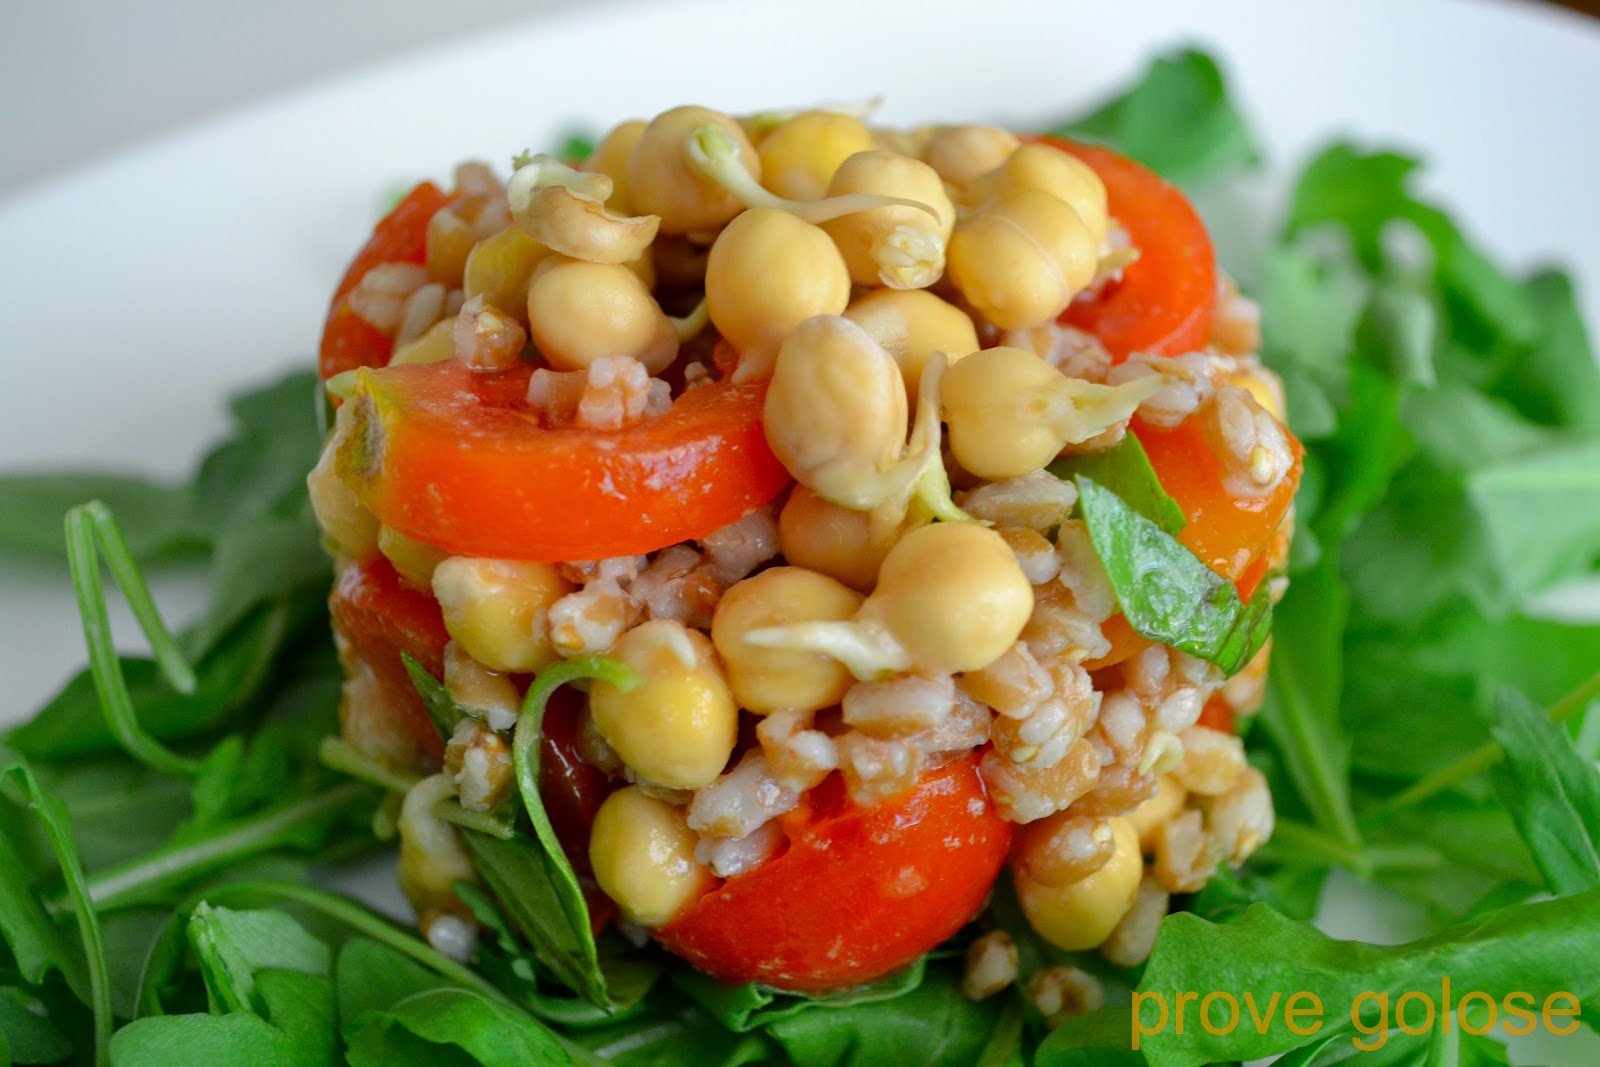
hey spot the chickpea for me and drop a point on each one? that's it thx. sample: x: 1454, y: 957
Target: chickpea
x: 642, y: 852
x: 579, y: 312
x: 799, y: 158
x: 1154, y: 813
x: 610, y: 157
x: 1082, y: 914
x: 678, y: 726
x: 1009, y: 412
x: 499, y: 269
x: 835, y: 413
x: 565, y: 210
x: 894, y: 245
x: 843, y: 543
x: 663, y: 181
x: 435, y: 346
x: 950, y: 598
x: 911, y: 325
x: 953, y: 595
x: 767, y: 679
x: 961, y: 153
x: 496, y: 609
x: 1049, y: 170
x: 414, y: 561
x: 1021, y: 258
x: 768, y: 272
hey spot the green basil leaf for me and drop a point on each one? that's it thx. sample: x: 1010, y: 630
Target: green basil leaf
x: 1178, y: 120
x: 1125, y: 470
x: 1164, y: 590
x: 1552, y: 793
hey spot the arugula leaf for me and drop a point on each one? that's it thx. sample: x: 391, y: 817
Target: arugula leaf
x: 37, y: 945
x: 1552, y: 794
x: 1178, y: 120
x: 1540, y: 947
x: 34, y: 506
x: 231, y: 946
x: 1125, y: 470
x: 932, y: 1024
x: 1165, y: 591
x: 751, y: 1006
x: 18, y: 785
x: 295, y: 1029
x: 26, y: 1033
x: 441, y: 706
x: 411, y: 1031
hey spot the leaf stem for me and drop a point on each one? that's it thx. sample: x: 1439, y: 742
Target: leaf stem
x: 91, y: 530
x: 174, y: 863
x: 337, y: 754
x: 1477, y: 761
x: 1322, y: 794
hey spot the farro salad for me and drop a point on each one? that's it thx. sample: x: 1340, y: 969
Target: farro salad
x: 804, y: 592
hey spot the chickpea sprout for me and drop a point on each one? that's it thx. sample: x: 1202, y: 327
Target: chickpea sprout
x: 565, y: 210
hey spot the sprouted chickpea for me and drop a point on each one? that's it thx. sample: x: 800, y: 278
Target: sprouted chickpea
x: 610, y: 157
x: 642, y: 853
x: 716, y: 157
x: 678, y: 726
x: 950, y: 598
x: 1049, y: 170
x: 1010, y: 412
x: 1022, y: 257
x: 961, y: 153
x: 579, y: 312
x: 664, y: 179
x: 1082, y: 914
x: 911, y: 325
x: 768, y: 272
x: 499, y: 269
x: 565, y: 210
x: 842, y: 543
x: 766, y: 679
x: 892, y: 245
x: 800, y: 156
x: 835, y: 416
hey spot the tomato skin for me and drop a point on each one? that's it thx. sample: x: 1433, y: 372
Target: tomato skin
x: 380, y: 616
x: 1167, y: 298
x: 348, y: 340
x: 456, y: 459
x: 861, y: 890
x: 572, y: 790
x: 1218, y: 715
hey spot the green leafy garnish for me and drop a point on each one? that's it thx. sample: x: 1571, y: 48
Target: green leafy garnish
x: 1165, y: 591
x: 1125, y: 470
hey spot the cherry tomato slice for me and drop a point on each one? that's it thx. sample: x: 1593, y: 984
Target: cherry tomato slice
x: 456, y: 459
x: 348, y: 340
x: 380, y: 616
x: 1167, y: 298
x: 861, y: 890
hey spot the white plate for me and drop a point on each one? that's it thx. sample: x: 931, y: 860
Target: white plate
x: 142, y: 289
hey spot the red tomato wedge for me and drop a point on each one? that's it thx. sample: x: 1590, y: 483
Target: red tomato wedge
x: 1166, y: 299
x: 456, y: 459
x: 861, y: 890
x: 380, y: 616
x: 348, y: 340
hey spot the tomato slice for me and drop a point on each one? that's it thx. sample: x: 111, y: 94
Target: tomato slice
x: 1228, y: 534
x: 1166, y: 299
x: 381, y: 617
x: 456, y: 459
x: 861, y: 890
x: 348, y: 340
